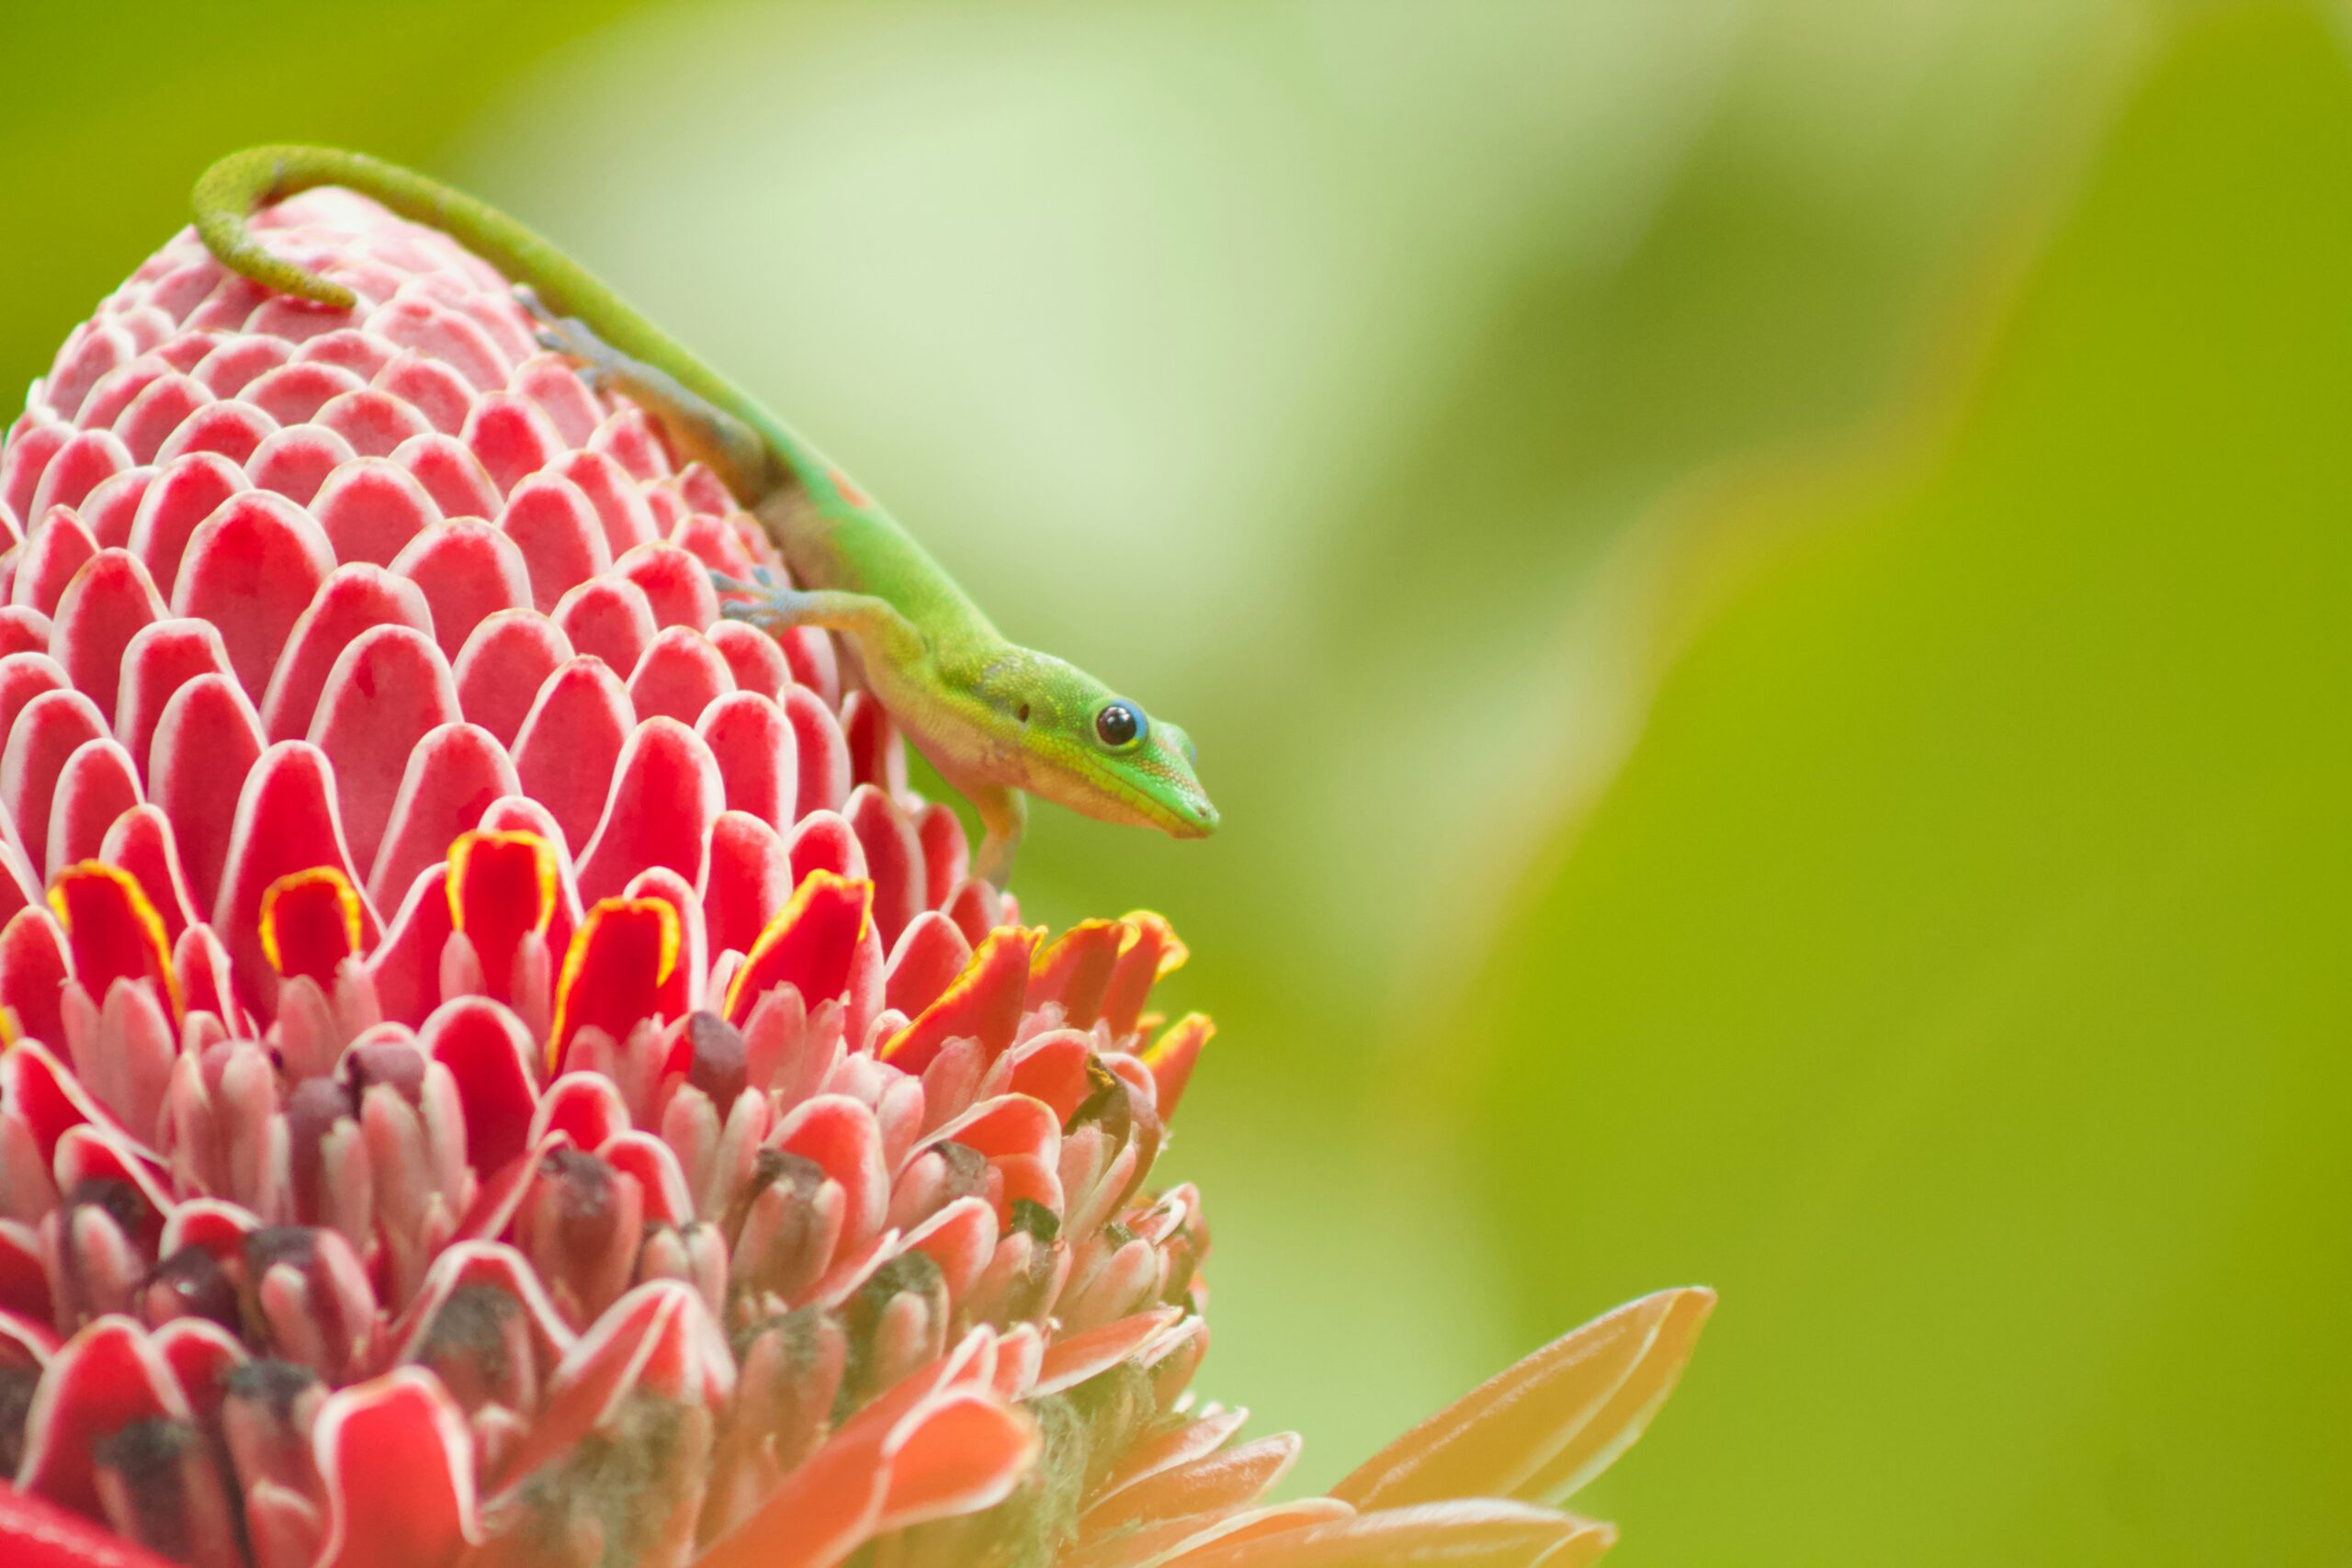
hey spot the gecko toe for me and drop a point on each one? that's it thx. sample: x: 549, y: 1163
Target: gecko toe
x: 758, y: 603
x: 587, y: 361
x: 567, y: 336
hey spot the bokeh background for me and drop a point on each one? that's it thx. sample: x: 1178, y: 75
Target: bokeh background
x: 1765, y: 586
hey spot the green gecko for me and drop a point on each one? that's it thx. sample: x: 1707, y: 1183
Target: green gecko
x: 998, y: 720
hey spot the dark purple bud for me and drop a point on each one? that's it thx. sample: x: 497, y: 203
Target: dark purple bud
x: 395, y: 1064
x: 191, y: 1283
x: 312, y: 1111
x: 716, y: 1067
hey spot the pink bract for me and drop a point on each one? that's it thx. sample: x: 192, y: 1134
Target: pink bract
x: 502, y: 1070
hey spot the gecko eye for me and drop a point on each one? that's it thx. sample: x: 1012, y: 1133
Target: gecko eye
x: 1118, y: 725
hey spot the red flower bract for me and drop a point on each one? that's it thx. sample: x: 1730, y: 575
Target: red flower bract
x: 502, y: 1069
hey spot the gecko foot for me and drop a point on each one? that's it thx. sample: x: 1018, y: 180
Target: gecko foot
x: 993, y: 863
x: 765, y: 601
x: 598, y: 363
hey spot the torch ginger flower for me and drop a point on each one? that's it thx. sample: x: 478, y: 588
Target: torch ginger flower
x: 500, y: 1068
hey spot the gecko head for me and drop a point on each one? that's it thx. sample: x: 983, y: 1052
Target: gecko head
x: 1084, y: 746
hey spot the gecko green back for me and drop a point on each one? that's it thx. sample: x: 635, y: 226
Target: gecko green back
x: 995, y: 718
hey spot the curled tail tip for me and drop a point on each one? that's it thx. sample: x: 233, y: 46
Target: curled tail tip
x: 334, y: 296
x: 221, y: 222
x: 289, y: 278
x: 248, y: 258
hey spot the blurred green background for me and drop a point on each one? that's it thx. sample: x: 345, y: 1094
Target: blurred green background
x: 1764, y: 586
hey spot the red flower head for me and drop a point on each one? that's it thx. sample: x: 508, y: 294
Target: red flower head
x: 502, y: 1069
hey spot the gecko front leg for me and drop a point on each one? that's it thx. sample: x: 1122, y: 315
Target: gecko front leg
x: 874, y: 626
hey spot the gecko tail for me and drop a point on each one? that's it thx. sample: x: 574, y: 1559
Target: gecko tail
x: 232, y: 189
x: 227, y: 193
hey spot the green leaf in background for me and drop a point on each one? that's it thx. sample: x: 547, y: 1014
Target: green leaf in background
x: 1956, y: 974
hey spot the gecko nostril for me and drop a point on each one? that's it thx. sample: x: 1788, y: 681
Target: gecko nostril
x: 1024, y: 713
